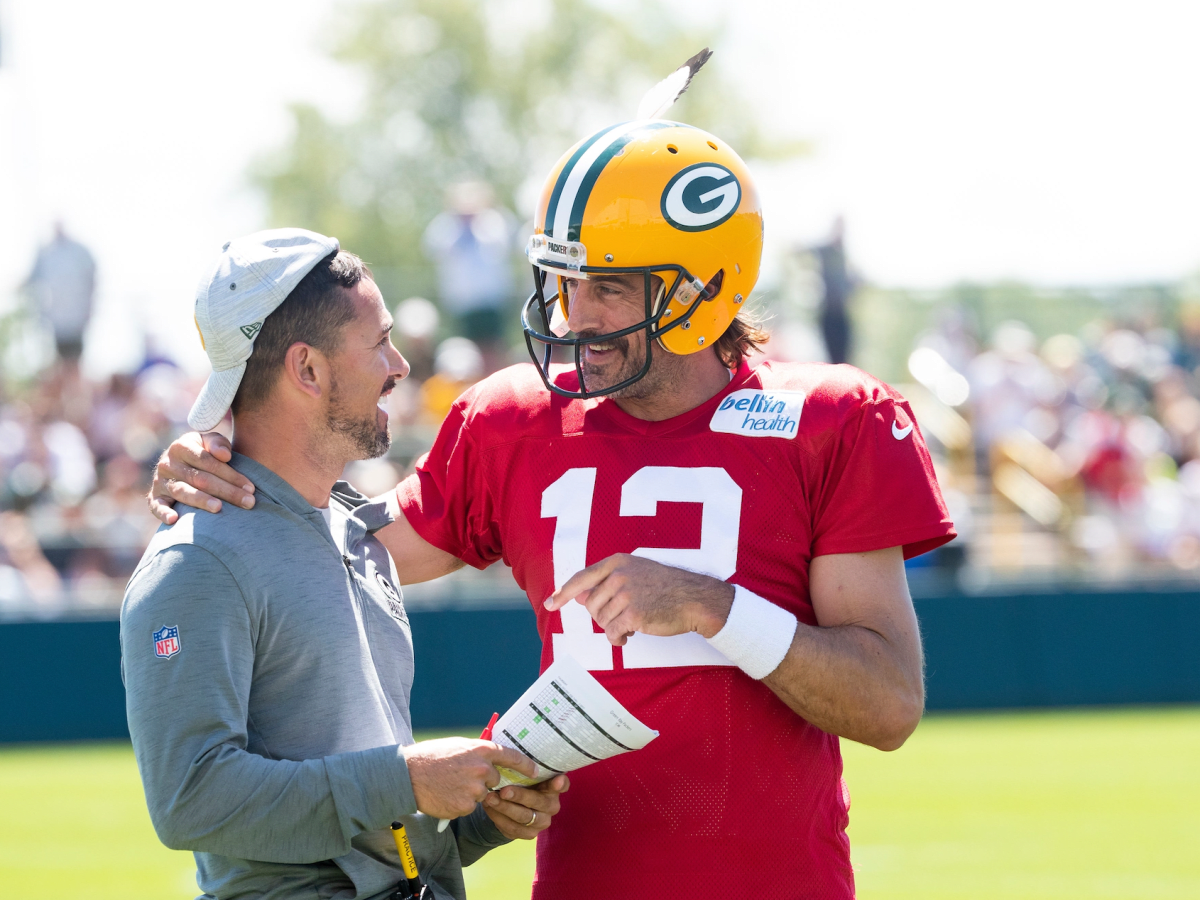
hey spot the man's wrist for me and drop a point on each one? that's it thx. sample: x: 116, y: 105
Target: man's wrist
x: 757, y: 634
x: 714, y: 608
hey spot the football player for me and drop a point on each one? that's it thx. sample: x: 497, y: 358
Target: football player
x: 722, y: 546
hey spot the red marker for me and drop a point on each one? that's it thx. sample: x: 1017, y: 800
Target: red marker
x: 485, y: 735
x: 487, y: 732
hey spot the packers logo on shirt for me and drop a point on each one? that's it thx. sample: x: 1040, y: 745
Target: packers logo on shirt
x: 392, y: 595
x: 700, y: 197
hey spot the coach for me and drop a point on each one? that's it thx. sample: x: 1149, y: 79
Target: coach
x: 268, y: 661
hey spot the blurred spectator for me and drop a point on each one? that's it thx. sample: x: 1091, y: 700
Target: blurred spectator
x: 471, y: 243
x: 75, y: 461
x: 458, y: 365
x: 417, y: 322
x: 26, y: 576
x: 1008, y: 382
x: 834, y: 315
x: 1093, y: 443
x: 61, y: 288
x: 108, y: 420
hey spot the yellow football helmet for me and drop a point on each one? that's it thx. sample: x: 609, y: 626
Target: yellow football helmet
x: 648, y: 198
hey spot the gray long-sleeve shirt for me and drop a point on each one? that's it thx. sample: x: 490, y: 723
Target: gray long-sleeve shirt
x: 267, y: 660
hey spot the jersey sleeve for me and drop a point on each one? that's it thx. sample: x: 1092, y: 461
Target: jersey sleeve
x: 881, y: 490
x: 448, y: 500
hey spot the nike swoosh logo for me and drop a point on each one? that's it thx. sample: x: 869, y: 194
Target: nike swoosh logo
x: 901, y: 433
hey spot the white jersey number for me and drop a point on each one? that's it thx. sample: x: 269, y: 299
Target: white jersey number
x: 569, y: 501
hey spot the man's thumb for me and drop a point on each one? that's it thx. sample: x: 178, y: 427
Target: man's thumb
x: 216, y: 444
x: 516, y: 760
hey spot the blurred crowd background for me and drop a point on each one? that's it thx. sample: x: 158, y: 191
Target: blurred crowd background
x: 1064, y: 421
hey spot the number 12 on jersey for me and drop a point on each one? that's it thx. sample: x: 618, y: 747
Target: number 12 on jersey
x: 569, y: 501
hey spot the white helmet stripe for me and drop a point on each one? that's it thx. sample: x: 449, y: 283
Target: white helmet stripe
x: 566, y: 200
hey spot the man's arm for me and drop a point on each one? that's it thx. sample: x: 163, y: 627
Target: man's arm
x: 858, y: 673
x: 416, y: 559
x: 195, y: 471
x: 188, y: 711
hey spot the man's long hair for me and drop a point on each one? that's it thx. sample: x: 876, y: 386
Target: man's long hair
x: 744, y: 336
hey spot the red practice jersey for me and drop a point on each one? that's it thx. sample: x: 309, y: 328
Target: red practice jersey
x: 738, y: 797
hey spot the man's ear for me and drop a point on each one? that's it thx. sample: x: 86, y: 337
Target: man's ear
x: 714, y: 285
x: 306, y: 369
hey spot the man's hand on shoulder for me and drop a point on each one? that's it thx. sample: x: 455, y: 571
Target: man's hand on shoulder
x: 450, y: 775
x: 626, y: 594
x: 195, y: 471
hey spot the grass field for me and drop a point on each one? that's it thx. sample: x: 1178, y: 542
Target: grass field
x: 1095, y: 804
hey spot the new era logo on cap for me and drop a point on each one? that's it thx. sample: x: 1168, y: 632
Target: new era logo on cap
x: 252, y: 276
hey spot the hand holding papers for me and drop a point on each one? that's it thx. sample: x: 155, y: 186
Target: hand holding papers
x: 565, y: 721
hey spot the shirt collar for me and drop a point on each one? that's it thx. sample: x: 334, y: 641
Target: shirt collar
x: 271, y: 486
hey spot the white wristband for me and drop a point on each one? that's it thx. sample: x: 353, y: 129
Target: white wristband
x: 757, y: 634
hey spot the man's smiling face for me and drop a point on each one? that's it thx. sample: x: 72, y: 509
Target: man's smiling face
x: 605, y: 304
x: 363, y: 372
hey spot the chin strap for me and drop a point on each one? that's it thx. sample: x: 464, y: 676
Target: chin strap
x: 655, y: 307
x: 658, y: 301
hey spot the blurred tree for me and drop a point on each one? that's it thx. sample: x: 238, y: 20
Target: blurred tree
x: 486, y: 89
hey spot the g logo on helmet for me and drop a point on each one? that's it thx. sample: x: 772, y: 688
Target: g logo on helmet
x: 700, y: 197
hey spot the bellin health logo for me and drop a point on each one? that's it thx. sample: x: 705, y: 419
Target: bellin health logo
x: 759, y: 413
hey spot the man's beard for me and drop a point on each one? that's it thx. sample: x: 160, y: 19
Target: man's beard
x: 627, y: 367
x: 365, y: 437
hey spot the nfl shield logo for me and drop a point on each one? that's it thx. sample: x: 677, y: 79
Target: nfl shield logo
x: 166, y: 641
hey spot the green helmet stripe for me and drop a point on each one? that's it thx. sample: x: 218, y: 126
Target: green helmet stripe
x: 548, y: 222
x: 584, y: 192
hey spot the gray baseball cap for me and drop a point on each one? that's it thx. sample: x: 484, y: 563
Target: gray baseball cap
x: 252, y: 276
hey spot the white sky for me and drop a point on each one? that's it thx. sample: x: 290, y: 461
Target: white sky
x: 1053, y: 141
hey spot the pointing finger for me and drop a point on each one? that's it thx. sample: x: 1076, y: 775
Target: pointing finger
x: 583, y: 580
